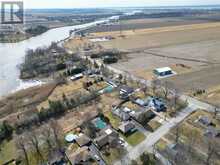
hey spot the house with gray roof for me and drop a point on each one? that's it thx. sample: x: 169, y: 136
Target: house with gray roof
x: 127, y: 127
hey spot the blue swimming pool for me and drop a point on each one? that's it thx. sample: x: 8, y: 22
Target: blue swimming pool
x: 99, y: 123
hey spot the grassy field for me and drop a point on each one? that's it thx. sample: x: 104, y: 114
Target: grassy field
x: 135, y: 138
x: 114, y: 120
x: 7, y: 152
x: 22, y: 102
x: 68, y: 89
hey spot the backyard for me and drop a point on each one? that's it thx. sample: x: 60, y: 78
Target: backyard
x: 134, y: 138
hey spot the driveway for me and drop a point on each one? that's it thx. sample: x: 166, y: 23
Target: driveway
x: 154, y: 137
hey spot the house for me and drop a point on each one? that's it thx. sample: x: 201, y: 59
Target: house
x: 166, y: 71
x: 126, y: 90
x: 142, y: 102
x: 144, y: 115
x: 111, y: 83
x: 83, y: 140
x: 157, y: 104
x: 126, y: 110
x: 204, y: 120
x: 81, y: 156
x: 127, y: 127
x: 121, y: 114
x: 212, y: 132
x: 56, y: 158
x: 76, y: 77
x: 106, y: 136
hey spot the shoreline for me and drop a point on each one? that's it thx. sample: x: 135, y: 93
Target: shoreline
x: 29, y: 37
x: 28, y: 83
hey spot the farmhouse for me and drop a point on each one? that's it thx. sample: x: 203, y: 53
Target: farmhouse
x: 124, y: 116
x: 126, y: 127
x: 166, y: 71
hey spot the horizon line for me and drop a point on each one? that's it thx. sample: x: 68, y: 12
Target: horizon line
x: 103, y: 7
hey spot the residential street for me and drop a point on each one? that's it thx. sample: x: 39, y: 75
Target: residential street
x: 152, y: 138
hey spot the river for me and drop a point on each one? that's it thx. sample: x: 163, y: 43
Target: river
x: 12, y: 54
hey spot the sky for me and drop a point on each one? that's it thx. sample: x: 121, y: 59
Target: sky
x: 113, y: 3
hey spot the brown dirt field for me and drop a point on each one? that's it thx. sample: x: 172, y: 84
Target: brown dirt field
x: 76, y: 43
x: 196, y: 46
x: 68, y: 89
x: 212, y: 96
x: 139, y: 63
x: 189, y: 45
x: 107, y: 100
x: 20, y: 102
x: 135, y: 24
x: 74, y: 119
x: 203, y: 79
x: 165, y: 36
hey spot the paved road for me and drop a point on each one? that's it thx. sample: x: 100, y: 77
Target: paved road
x: 154, y: 137
x: 95, y: 151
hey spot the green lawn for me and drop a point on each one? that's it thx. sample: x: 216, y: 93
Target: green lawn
x: 114, y: 120
x: 135, y: 138
x: 7, y: 152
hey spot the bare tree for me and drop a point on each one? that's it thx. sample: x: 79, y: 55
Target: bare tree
x: 145, y: 89
x: 174, y: 99
x: 177, y: 134
x: 210, y: 152
x: 192, y: 140
x: 154, y: 85
x: 57, y: 133
x: 166, y: 87
x: 49, y: 139
x: 34, y: 141
x: 21, y: 145
x: 216, y: 111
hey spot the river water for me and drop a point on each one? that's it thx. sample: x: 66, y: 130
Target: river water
x: 12, y: 54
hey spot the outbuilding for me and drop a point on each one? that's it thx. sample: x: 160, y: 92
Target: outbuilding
x: 166, y: 71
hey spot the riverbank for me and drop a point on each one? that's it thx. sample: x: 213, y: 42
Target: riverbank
x: 19, y: 37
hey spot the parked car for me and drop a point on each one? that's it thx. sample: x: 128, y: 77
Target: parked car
x: 97, y: 157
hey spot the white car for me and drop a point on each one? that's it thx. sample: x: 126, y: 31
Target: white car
x: 97, y: 157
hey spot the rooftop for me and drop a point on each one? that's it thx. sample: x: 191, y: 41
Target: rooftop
x: 165, y: 69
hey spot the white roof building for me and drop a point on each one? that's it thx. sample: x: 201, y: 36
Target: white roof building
x: 163, y: 71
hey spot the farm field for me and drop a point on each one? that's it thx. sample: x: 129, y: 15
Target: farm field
x: 143, y: 23
x: 190, y: 50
